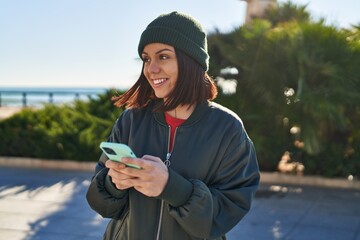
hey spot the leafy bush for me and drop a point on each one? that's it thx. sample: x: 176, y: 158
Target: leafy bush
x: 294, y: 73
x: 60, y: 132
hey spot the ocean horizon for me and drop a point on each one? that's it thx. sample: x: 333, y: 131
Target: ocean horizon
x: 38, y: 96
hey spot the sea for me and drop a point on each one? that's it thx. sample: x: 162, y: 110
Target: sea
x: 38, y: 96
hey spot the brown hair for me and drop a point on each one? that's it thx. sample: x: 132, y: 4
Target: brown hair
x: 193, y: 86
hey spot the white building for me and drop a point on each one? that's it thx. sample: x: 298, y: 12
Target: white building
x: 256, y: 8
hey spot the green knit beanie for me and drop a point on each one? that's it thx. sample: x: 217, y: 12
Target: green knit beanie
x: 180, y: 31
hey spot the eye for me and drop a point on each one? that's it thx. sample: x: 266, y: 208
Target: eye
x: 145, y: 59
x: 163, y: 57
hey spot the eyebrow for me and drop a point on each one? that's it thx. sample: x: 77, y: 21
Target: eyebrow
x: 160, y: 51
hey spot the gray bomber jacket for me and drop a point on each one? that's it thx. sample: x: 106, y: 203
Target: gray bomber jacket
x: 213, y: 176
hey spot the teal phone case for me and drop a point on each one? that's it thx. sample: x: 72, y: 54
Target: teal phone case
x: 116, y: 151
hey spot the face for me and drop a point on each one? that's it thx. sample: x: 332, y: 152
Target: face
x: 160, y: 68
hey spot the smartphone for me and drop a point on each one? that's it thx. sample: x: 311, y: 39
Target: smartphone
x: 116, y: 151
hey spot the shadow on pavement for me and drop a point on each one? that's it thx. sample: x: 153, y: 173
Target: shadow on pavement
x: 50, y: 204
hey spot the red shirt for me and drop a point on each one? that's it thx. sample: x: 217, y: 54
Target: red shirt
x: 173, y: 123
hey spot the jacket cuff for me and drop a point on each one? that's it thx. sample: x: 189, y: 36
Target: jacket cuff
x: 112, y: 190
x: 177, y: 190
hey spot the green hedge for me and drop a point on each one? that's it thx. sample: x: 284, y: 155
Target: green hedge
x: 60, y: 132
x: 75, y: 131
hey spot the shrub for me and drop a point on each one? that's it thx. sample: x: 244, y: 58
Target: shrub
x: 60, y: 132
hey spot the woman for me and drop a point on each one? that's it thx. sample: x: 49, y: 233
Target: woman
x: 199, y: 170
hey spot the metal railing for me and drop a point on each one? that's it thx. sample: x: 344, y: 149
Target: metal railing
x: 25, y: 94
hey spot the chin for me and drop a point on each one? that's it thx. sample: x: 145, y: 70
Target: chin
x: 161, y: 96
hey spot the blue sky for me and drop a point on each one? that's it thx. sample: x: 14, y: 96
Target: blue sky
x: 93, y: 43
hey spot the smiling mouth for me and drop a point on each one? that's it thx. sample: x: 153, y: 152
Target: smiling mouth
x: 159, y: 81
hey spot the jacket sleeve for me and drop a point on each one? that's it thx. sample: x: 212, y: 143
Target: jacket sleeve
x: 212, y: 210
x: 102, y: 196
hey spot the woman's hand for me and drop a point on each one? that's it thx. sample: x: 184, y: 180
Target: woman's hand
x: 150, y: 180
x: 116, y: 176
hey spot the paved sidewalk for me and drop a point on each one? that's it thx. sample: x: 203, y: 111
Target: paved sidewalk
x: 301, y: 213
x: 48, y: 204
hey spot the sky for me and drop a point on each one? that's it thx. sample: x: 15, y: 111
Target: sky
x: 93, y: 43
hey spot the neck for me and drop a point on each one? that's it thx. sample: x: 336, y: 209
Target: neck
x: 182, y: 111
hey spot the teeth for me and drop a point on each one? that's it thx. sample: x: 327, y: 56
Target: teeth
x: 159, y: 81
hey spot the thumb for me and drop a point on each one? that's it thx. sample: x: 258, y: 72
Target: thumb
x: 151, y: 158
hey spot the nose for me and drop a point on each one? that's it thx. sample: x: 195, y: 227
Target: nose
x: 153, y: 67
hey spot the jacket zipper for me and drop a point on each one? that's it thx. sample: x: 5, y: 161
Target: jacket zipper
x: 167, y: 163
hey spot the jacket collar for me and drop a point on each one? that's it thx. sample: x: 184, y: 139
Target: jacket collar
x: 198, y: 113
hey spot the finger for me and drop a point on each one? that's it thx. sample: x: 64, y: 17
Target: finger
x: 154, y: 160
x: 134, y: 161
x: 115, y: 176
x: 122, y: 186
x: 132, y: 173
x: 151, y: 158
x: 128, y: 183
x: 146, y: 162
x: 121, y: 181
x: 114, y: 165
